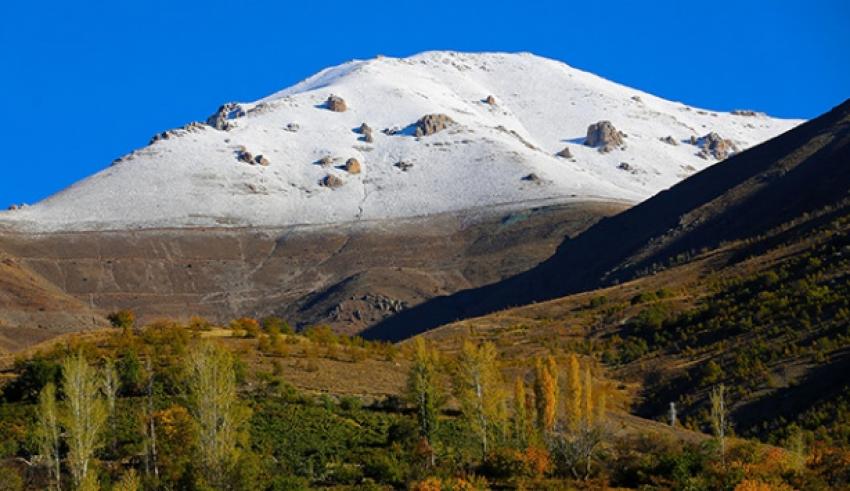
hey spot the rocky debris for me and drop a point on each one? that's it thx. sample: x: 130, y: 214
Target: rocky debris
x: 746, y: 112
x: 490, y: 100
x: 565, y: 153
x: 432, y: 123
x: 713, y: 145
x: 516, y: 135
x: 404, y: 166
x: 192, y: 127
x: 366, y: 131
x: 220, y: 120
x: 669, y: 140
x: 352, y: 166
x: 244, y: 155
x: 604, y: 136
x: 292, y: 128
x: 14, y: 207
x: 693, y: 140
x: 637, y: 98
x: 325, y: 161
x: 627, y: 167
x: 331, y: 181
x: 532, y: 178
x: 391, y: 131
x: 336, y: 104
x: 259, y: 159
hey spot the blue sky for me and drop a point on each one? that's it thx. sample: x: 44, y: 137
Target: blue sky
x: 85, y: 82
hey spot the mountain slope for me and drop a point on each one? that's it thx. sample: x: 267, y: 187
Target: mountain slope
x: 501, y: 151
x: 785, y: 178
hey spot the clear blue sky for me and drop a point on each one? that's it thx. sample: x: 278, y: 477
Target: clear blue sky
x: 84, y: 82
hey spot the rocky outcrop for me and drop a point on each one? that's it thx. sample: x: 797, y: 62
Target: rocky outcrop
x: 331, y: 181
x: 336, y: 104
x: 714, y: 146
x: 565, y: 153
x: 221, y: 119
x: 352, y: 166
x: 746, y: 112
x: 669, y: 140
x: 176, y: 132
x: 366, y: 131
x: 432, y: 123
x: 604, y: 136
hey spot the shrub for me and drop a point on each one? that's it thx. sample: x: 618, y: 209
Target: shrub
x: 122, y: 319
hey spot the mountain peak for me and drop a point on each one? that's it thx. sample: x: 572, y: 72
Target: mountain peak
x: 266, y: 163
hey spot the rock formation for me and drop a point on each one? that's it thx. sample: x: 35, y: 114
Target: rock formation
x: 352, y: 165
x: 336, y: 104
x: 604, y: 136
x: 432, y: 123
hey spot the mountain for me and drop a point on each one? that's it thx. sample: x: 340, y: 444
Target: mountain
x: 470, y: 169
x: 508, y: 116
x: 779, y: 181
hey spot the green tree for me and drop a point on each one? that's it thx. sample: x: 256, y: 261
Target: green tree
x: 84, y: 417
x: 479, y: 391
x: 48, y: 433
x: 423, y: 389
x: 214, y: 404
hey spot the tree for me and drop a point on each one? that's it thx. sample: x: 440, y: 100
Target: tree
x: 546, y: 393
x: 519, y: 423
x: 129, y: 482
x: 110, y: 388
x: 479, y: 391
x: 47, y: 433
x: 122, y: 319
x: 572, y: 396
x: 214, y: 404
x: 587, y: 398
x: 423, y: 389
x: 84, y: 417
x: 719, y: 417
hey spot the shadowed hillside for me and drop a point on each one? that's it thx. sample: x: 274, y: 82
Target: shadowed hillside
x: 796, y: 173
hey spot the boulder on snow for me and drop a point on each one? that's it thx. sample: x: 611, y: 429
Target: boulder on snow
x: 565, y: 153
x: 668, y: 140
x: 336, y: 104
x: 245, y: 156
x: 490, y: 100
x: 259, y: 159
x: 404, y: 166
x: 713, y: 145
x: 325, y: 161
x: 366, y: 131
x: 532, y: 178
x: 352, y: 165
x: 220, y: 120
x: 292, y: 127
x: 331, y: 181
x: 604, y: 136
x: 432, y: 123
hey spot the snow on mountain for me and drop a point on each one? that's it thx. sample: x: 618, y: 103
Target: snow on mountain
x: 500, y: 153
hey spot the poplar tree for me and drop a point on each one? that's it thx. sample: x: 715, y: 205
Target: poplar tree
x: 479, y: 391
x: 520, y: 423
x: 423, y: 390
x: 214, y: 404
x: 546, y: 393
x: 587, y: 398
x: 48, y: 434
x: 573, y: 396
x: 719, y: 416
x: 111, y: 385
x: 84, y: 418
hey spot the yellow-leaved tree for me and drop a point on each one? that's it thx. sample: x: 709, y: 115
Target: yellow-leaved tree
x: 546, y: 393
x: 572, y: 394
x: 84, y: 415
x: 479, y: 391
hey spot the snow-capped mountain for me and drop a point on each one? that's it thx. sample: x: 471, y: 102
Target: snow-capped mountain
x: 282, y: 160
